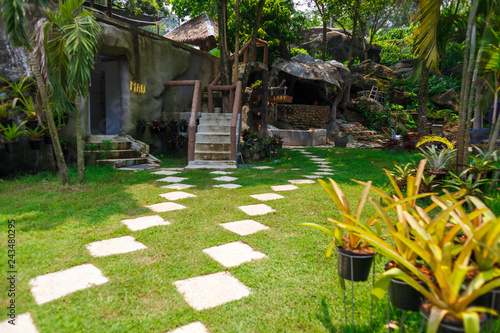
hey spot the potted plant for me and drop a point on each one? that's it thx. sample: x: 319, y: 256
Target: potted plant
x: 183, y: 125
x: 140, y: 125
x: 11, y: 133
x: 5, y: 111
x: 35, y: 136
x: 173, y: 126
x: 181, y: 140
x: 354, y: 255
x: 171, y: 141
x: 29, y: 109
x: 156, y: 126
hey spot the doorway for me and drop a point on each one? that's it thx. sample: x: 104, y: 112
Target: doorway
x: 105, y: 97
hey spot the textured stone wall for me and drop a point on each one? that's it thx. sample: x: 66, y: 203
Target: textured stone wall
x: 298, y: 116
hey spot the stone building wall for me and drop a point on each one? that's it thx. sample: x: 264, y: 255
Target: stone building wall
x: 298, y: 116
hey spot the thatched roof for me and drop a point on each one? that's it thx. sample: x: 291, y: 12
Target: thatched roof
x: 200, y: 31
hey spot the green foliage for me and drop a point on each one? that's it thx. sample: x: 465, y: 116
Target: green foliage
x: 454, y: 55
x: 12, y: 132
x: 35, y: 133
x: 396, y: 44
x: 297, y: 50
x: 141, y: 122
x: 438, y: 159
x: 6, y: 110
x: 107, y: 146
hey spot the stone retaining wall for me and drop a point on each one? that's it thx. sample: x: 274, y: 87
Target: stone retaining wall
x: 298, y: 116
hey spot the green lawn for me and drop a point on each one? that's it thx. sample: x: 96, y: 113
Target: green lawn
x: 294, y: 289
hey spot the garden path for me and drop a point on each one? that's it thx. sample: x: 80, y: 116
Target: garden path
x: 200, y: 292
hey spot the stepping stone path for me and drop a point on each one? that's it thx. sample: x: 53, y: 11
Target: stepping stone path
x: 221, y: 172
x: 302, y: 181
x: 259, y: 209
x: 145, y: 222
x: 295, y: 169
x: 228, y: 186
x: 23, y: 324
x: 325, y: 169
x: 48, y: 287
x: 323, y: 173
x: 318, y: 159
x: 233, y: 254
x: 165, y: 173
x: 171, y: 179
x: 125, y: 244
x: 280, y: 188
x: 177, y: 195
x: 209, y: 291
x: 225, y: 179
x: 263, y: 167
x: 178, y: 186
x: 165, y: 207
x: 267, y: 196
x: 312, y: 176
x: 196, y: 327
x: 244, y: 227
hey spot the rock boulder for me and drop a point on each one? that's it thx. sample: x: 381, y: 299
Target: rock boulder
x: 447, y: 100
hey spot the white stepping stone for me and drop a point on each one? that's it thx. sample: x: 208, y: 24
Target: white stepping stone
x: 312, y: 176
x: 312, y: 157
x: 323, y: 173
x: 165, y: 173
x: 295, y: 169
x: 222, y: 172
x: 119, y: 245
x: 165, y: 207
x: 145, y: 222
x: 225, y: 179
x: 23, y: 323
x: 233, y: 254
x: 244, y: 227
x: 178, y: 186
x: 302, y: 181
x: 177, y: 195
x: 48, y: 287
x: 279, y: 188
x: 171, y: 179
x: 259, y: 209
x: 173, y: 169
x: 322, y: 162
x: 228, y: 186
x: 318, y: 159
x: 325, y: 169
x: 267, y: 196
x: 209, y: 291
x: 307, y: 153
x: 196, y: 327
x: 263, y: 167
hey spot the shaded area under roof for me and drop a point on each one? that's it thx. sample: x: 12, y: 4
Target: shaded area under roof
x: 200, y: 31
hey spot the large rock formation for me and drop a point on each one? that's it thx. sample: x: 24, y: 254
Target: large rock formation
x: 338, y: 44
x: 13, y: 60
x: 447, y: 100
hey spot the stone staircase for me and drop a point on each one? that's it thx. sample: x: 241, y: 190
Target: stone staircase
x: 103, y: 149
x: 213, y: 145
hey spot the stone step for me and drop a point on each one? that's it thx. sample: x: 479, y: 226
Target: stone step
x: 213, y: 129
x: 206, y: 115
x: 115, y: 145
x: 211, y: 155
x: 196, y: 164
x: 201, y: 146
x: 213, y: 137
x: 123, y: 162
x: 215, y: 122
x: 114, y: 154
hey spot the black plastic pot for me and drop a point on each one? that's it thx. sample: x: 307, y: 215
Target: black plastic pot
x: 140, y: 129
x: 403, y: 296
x: 360, y: 268
x: 11, y: 147
x: 173, y: 129
x: 35, y: 144
x: 32, y: 124
x: 341, y: 142
x: 47, y: 139
x: 448, y: 326
x: 154, y: 131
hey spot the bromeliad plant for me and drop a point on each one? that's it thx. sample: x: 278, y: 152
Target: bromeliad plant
x: 351, y: 242
x: 438, y: 158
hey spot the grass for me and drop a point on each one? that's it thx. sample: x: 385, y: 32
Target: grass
x: 294, y: 289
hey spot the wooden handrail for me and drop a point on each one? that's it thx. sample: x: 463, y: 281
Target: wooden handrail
x: 234, y: 119
x: 195, y: 109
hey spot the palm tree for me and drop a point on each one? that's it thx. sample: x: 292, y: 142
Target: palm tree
x: 16, y: 27
x: 72, y: 47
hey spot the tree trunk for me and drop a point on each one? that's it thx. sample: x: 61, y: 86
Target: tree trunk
x: 110, y: 8
x: 323, y: 45
x: 494, y: 120
x: 264, y: 112
x: 236, y: 42
x: 469, y: 50
x: 56, y: 144
x: 80, y: 155
x: 253, y: 40
x: 352, y: 47
x: 225, y: 68
x: 423, y: 98
x: 478, y: 117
